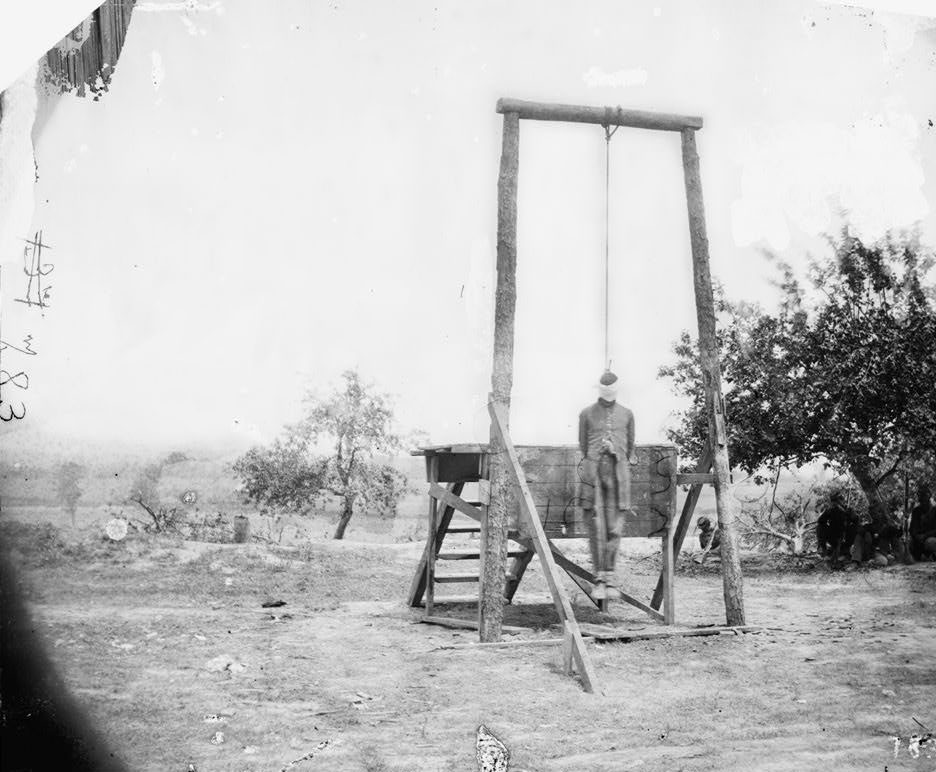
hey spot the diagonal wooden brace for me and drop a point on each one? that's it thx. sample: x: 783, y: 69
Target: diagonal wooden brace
x: 543, y: 552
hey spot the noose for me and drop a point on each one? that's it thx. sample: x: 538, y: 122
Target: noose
x: 609, y: 132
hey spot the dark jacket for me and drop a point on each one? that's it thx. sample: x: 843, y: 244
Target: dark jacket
x: 599, y: 422
x: 923, y: 521
x: 837, y: 527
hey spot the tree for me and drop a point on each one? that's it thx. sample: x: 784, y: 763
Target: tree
x: 844, y: 373
x: 332, y: 452
x: 284, y: 475
x: 177, y: 457
x: 780, y: 522
x: 69, y: 490
x: 145, y: 493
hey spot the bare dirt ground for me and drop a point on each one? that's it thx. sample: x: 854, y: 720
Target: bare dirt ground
x: 166, y: 644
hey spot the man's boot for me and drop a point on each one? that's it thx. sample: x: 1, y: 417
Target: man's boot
x: 599, y: 591
x: 611, y: 590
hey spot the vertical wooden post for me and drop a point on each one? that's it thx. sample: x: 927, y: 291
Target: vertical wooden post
x: 711, y: 378
x: 568, y: 649
x: 431, y: 537
x: 682, y: 527
x: 665, y: 585
x: 669, y: 608
x: 669, y: 563
x: 494, y: 525
x: 517, y: 570
x: 105, y: 30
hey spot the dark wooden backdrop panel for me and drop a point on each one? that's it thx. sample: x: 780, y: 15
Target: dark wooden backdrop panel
x: 553, y: 473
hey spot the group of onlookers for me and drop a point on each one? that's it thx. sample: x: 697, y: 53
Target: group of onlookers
x: 841, y: 536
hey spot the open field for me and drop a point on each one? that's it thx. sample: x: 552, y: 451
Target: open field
x: 165, y: 643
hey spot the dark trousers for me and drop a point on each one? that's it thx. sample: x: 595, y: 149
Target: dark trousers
x: 605, y: 522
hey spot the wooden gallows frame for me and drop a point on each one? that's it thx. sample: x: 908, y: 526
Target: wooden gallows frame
x: 504, y: 473
x: 499, y: 463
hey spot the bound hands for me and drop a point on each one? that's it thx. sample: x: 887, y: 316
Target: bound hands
x: 607, y: 446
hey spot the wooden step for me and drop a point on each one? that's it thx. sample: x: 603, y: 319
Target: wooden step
x: 474, y: 555
x: 457, y: 599
x: 459, y: 578
x: 464, y: 529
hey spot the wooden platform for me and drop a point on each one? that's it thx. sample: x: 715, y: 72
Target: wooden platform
x: 544, y: 506
x: 553, y: 476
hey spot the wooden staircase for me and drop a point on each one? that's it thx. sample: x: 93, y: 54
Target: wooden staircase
x: 424, y: 585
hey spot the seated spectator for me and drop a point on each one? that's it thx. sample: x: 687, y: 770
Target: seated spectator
x: 709, y: 537
x: 923, y: 526
x: 836, y: 529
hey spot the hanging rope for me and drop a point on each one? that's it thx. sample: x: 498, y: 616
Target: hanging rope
x: 609, y: 132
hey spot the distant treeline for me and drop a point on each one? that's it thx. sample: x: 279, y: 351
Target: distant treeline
x: 109, y: 482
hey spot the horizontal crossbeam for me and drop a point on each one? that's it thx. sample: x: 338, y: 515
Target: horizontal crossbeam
x: 603, y: 116
x: 695, y: 478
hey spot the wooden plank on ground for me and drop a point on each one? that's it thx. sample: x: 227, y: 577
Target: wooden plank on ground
x: 607, y: 633
x: 466, y: 624
x: 631, y: 636
x: 543, y: 552
x: 499, y: 644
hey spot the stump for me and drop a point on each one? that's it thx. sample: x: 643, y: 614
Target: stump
x: 241, y: 528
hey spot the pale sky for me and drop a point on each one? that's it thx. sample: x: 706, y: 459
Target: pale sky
x: 273, y: 192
